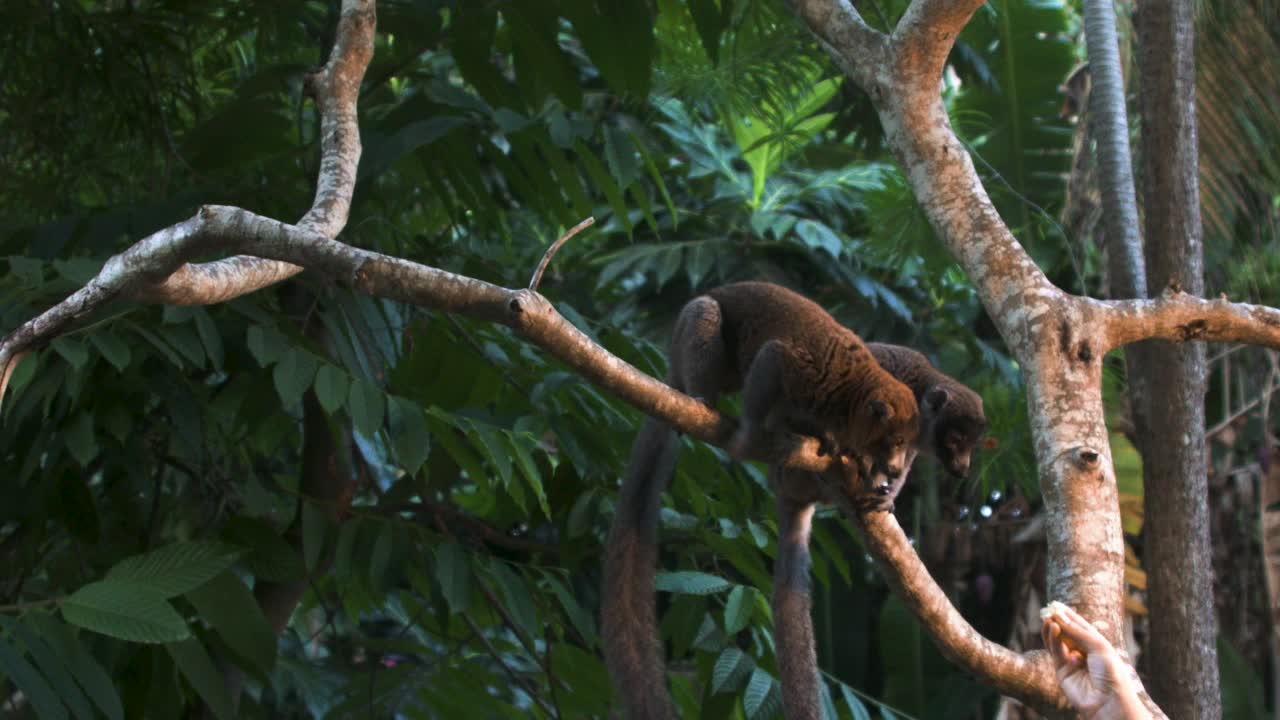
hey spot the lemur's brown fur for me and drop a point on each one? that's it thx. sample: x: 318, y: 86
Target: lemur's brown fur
x: 951, y: 424
x: 800, y: 371
x: 951, y: 418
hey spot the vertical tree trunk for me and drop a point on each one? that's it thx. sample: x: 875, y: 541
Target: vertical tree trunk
x: 1115, y: 164
x: 1269, y: 510
x: 1109, y: 121
x: 1182, y: 648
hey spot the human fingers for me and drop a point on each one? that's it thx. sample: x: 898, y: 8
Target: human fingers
x: 1052, y: 634
x: 1081, y: 632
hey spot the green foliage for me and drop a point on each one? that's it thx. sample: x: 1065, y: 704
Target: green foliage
x: 168, y: 468
x: 1008, y: 110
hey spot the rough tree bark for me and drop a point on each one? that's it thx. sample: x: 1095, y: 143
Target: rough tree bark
x: 1181, y: 648
x: 1058, y: 339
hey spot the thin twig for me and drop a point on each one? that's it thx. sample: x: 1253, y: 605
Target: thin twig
x: 551, y: 676
x: 546, y: 257
x: 528, y: 643
x: 517, y: 678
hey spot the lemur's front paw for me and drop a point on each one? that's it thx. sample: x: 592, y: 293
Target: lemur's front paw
x: 827, y: 445
x: 874, y: 503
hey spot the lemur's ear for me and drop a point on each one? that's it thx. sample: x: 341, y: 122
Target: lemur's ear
x: 880, y: 410
x: 936, y: 398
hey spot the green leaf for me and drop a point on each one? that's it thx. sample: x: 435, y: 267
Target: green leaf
x: 87, y: 671
x: 619, y: 38
x: 757, y: 698
x: 604, y: 183
x: 115, y: 350
x: 541, y: 66
x: 737, y: 609
x: 187, y: 343
x: 346, y: 547
x: 856, y: 706
x: 731, y: 667
x: 174, y: 569
x: 228, y: 606
x: 1242, y: 690
x: 366, y: 404
x: 902, y: 654
x: 621, y: 156
x: 529, y: 468
x: 818, y: 236
x: 582, y: 513
x: 829, y: 711
x: 499, y: 455
x: 331, y: 387
x: 293, y: 374
x: 52, y: 666
x: 315, y: 526
x: 384, y: 151
x: 125, y: 610
x: 710, y: 24
x: 210, y: 337
x: 195, y: 664
x: 380, y: 557
x: 73, y: 351
x: 453, y: 572
x: 270, y: 556
x: 80, y: 440
x: 581, y: 619
x: 29, y: 270
x: 688, y: 582
x: 266, y: 344
x: 409, y: 433
x: 22, y: 374
x: 159, y: 344
x: 30, y: 682
x: 519, y: 602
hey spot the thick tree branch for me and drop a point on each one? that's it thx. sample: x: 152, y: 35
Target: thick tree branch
x: 528, y: 313
x: 1181, y: 317
x: 924, y: 37
x: 858, y: 49
x: 1028, y: 677
x: 336, y: 88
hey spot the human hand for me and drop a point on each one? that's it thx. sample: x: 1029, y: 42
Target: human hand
x: 1093, y: 676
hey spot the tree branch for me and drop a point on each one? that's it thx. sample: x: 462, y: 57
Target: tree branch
x: 336, y: 88
x: 924, y: 37
x: 1028, y: 677
x: 378, y: 275
x: 1181, y: 317
x: 858, y: 49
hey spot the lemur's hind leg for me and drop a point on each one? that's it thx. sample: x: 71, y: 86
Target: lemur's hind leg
x: 699, y: 359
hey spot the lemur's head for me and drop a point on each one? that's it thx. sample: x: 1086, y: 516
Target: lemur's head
x: 885, y: 426
x: 952, y: 424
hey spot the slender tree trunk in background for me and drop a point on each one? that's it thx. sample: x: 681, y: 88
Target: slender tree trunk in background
x: 1269, y: 510
x: 1125, y: 267
x: 1115, y: 165
x: 1182, y: 650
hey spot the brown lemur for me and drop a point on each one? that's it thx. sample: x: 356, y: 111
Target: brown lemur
x: 952, y: 423
x: 800, y: 371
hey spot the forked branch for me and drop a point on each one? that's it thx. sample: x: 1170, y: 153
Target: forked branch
x: 335, y: 88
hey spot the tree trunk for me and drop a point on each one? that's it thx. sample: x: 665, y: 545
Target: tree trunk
x: 1269, y: 510
x: 1115, y: 165
x: 1182, y: 651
